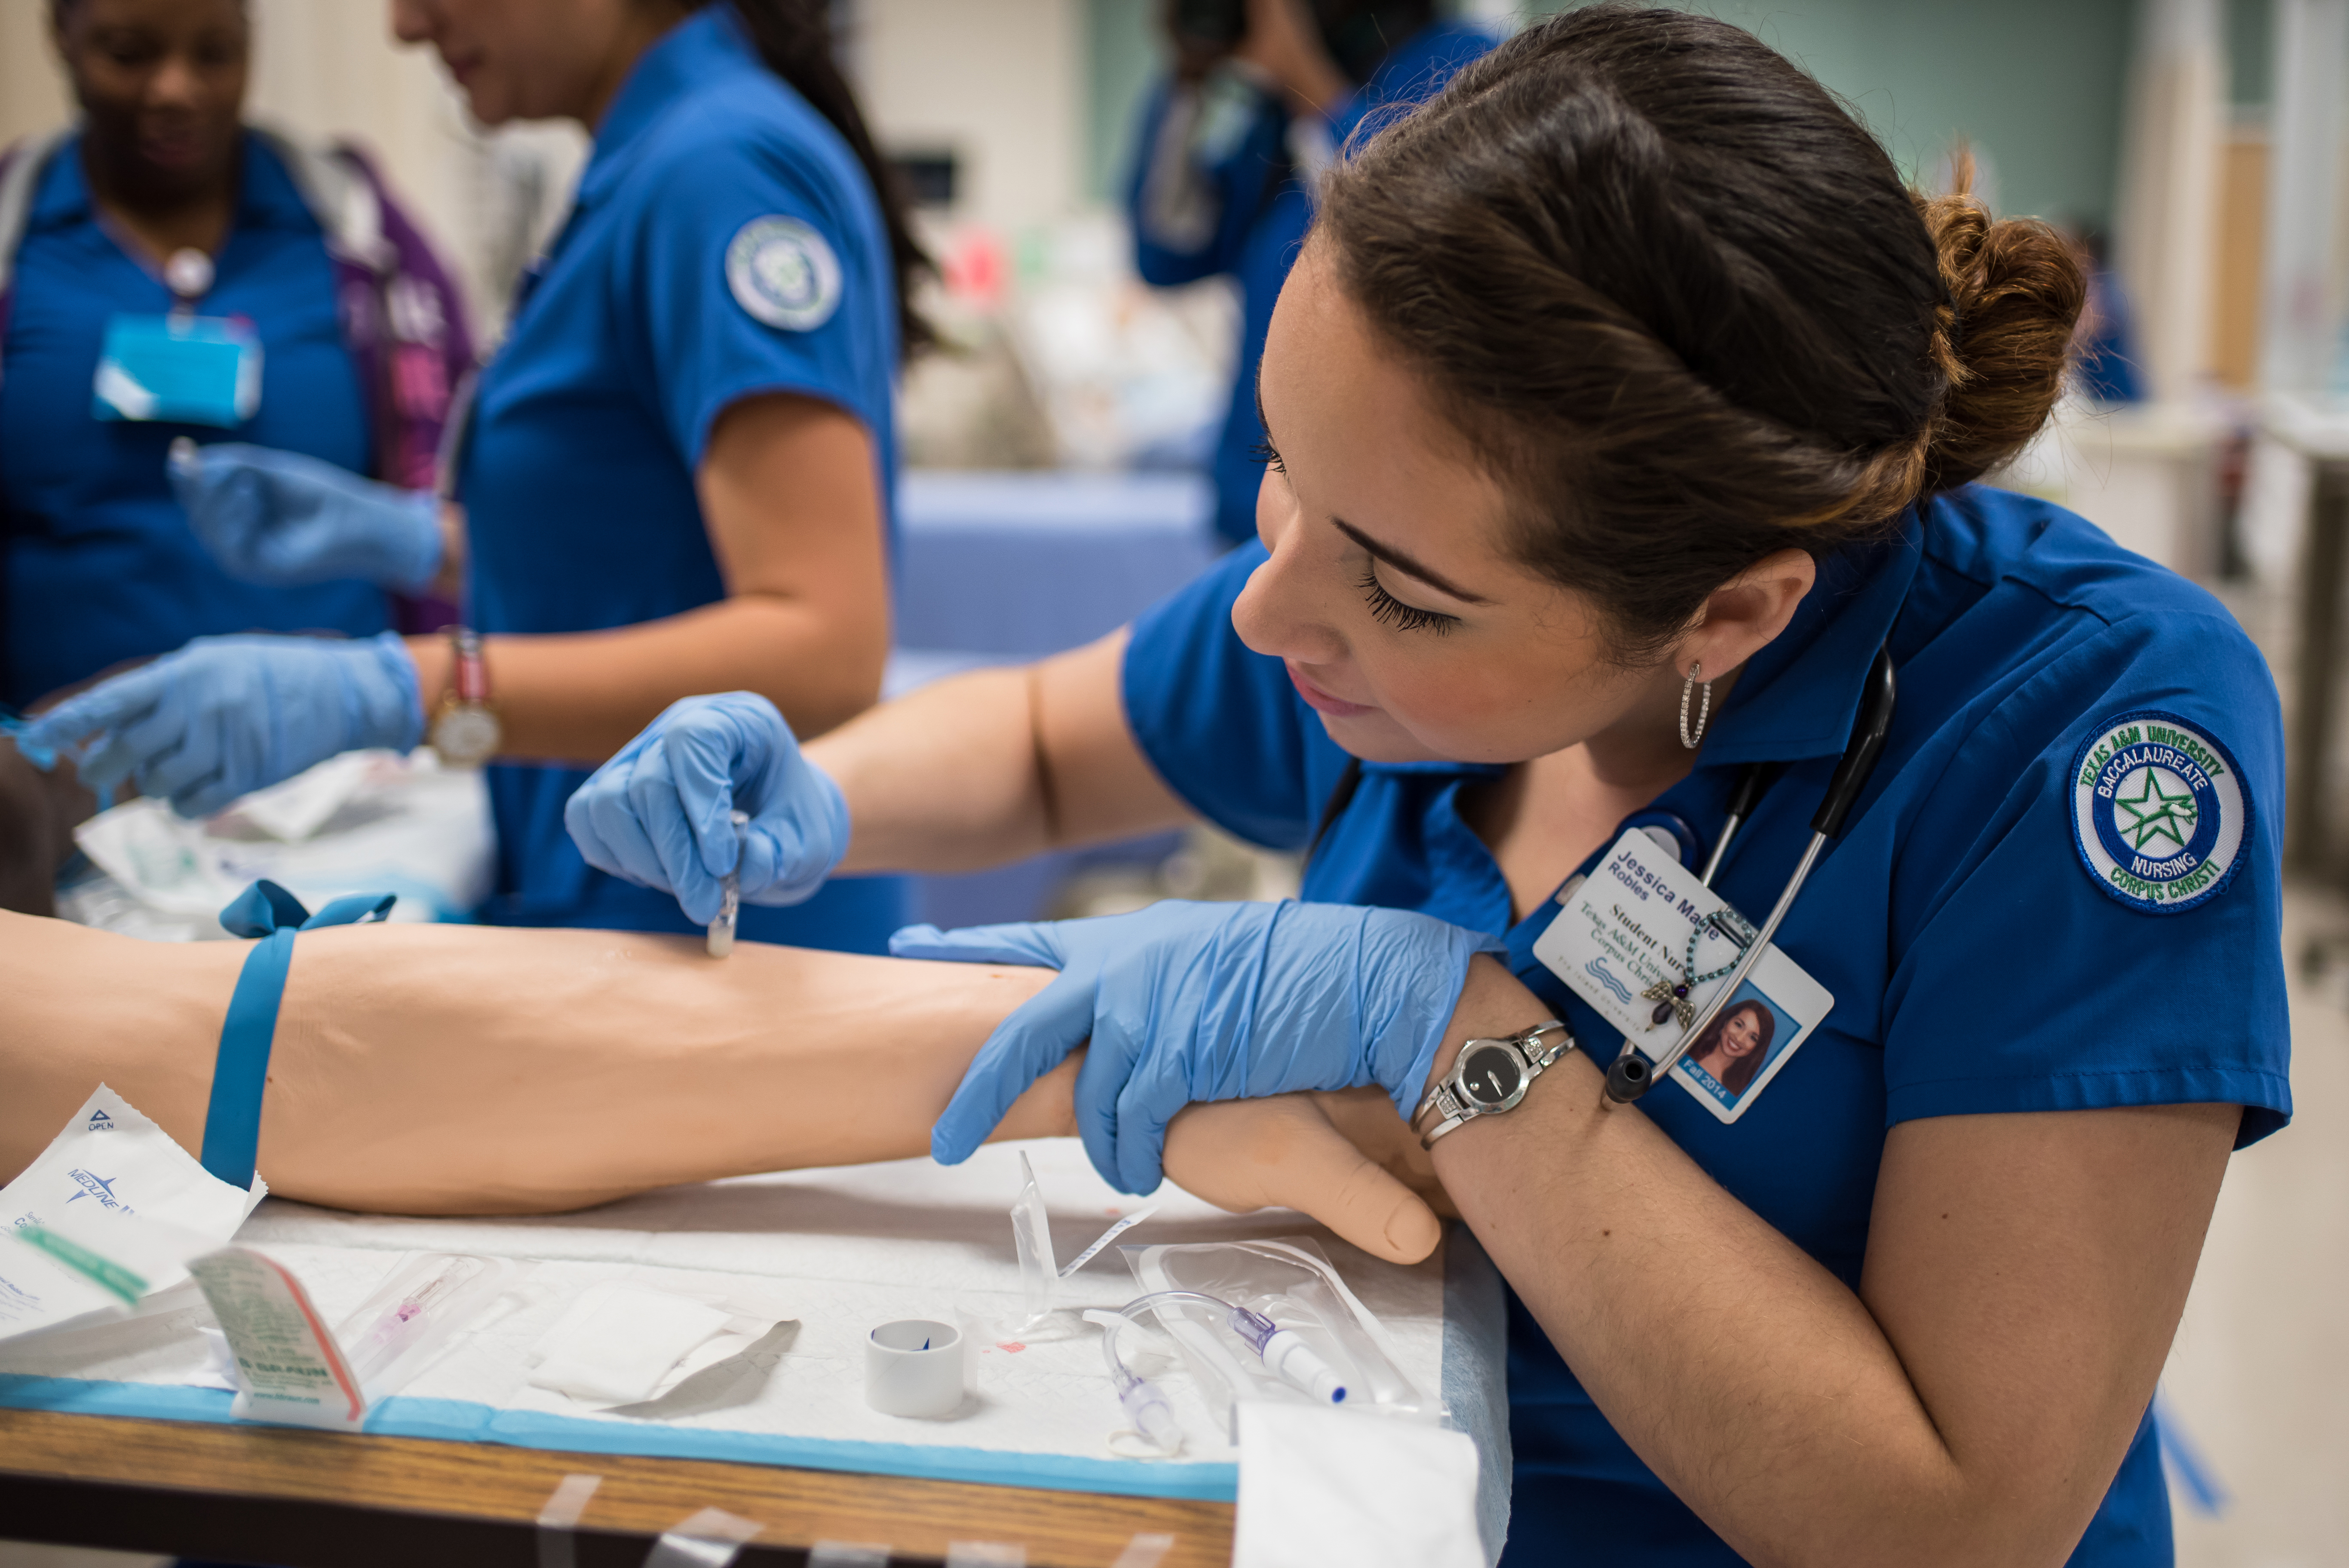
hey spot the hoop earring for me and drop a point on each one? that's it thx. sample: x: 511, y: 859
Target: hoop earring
x: 1704, y: 713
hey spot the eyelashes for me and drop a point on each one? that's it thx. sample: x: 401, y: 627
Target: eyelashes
x: 1389, y: 611
x: 1385, y: 608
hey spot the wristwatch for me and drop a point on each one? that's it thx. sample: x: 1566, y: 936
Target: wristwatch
x: 465, y: 731
x: 1490, y: 1076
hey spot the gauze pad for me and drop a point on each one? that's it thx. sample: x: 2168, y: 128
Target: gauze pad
x: 621, y: 1344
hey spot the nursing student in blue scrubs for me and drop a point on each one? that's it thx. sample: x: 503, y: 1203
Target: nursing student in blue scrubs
x: 1626, y: 405
x: 1262, y: 94
x: 678, y: 474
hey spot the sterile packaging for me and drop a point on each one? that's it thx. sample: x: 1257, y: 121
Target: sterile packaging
x: 370, y: 822
x: 423, y: 1305
x: 1291, y: 1282
x: 286, y: 1364
x: 621, y: 1343
x: 111, y: 1162
x: 1031, y: 1239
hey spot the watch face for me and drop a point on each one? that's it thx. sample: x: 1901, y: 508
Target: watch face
x: 465, y: 734
x: 1491, y: 1075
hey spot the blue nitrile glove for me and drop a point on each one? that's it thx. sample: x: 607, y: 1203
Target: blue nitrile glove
x: 284, y: 520
x: 659, y: 814
x: 227, y: 716
x: 1185, y: 1001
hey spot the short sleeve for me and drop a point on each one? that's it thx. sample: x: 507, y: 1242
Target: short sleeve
x: 755, y: 273
x: 2040, y: 971
x: 1223, y: 726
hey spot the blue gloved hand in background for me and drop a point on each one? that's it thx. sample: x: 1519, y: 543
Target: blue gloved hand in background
x: 226, y: 715
x: 659, y: 814
x: 1185, y: 1001
x: 282, y: 519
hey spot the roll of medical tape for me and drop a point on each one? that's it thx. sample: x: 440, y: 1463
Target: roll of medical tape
x: 914, y: 1367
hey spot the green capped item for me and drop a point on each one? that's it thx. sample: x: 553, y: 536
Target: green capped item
x: 104, y: 1273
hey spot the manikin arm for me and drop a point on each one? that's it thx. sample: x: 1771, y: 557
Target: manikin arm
x: 467, y: 1071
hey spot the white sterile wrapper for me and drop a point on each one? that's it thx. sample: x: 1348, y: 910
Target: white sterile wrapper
x: 625, y: 1344
x: 111, y: 1162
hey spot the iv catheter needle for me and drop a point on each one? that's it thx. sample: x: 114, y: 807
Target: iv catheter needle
x: 721, y: 930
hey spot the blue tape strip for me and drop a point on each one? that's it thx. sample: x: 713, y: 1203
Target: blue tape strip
x: 241, y: 1067
x: 459, y: 1421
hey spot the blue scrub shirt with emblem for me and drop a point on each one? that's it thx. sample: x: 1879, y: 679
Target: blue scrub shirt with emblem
x: 99, y: 563
x: 1977, y: 963
x: 629, y: 342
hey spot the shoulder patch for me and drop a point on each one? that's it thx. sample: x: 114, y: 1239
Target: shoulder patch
x: 2159, y: 813
x: 783, y: 272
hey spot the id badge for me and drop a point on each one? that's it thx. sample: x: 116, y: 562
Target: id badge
x: 185, y: 369
x: 1623, y: 933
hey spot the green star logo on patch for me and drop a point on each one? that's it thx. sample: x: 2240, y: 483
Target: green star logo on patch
x: 2154, y: 815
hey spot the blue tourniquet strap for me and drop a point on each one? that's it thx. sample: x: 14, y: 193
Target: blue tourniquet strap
x: 241, y: 1070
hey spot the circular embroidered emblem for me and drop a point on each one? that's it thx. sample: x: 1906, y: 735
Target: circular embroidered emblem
x: 783, y: 272
x: 2158, y: 812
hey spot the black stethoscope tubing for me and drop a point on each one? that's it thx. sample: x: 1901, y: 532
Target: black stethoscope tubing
x: 1631, y: 1074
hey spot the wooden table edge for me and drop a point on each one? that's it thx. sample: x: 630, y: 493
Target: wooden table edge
x: 317, y: 1500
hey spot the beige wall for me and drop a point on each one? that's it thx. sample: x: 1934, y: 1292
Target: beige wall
x: 31, y: 96
x: 996, y: 81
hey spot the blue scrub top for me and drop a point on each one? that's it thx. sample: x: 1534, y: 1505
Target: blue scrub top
x: 1977, y: 963
x: 725, y: 244
x: 99, y: 565
x: 1263, y: 212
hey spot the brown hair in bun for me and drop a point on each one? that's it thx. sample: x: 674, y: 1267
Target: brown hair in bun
x: 1682, y: 301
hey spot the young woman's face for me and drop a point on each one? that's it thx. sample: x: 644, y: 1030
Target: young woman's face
x: 1741, y: 1035
x: 1391, y: 595
x: 162, y: 85
x: 527, y: 60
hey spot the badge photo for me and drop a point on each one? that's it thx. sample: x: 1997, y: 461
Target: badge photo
x: 1741, y: 1050
x: 783, y: 272
x: 2159, y: 813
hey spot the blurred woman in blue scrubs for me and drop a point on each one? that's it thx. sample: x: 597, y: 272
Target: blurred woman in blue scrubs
x: 1262, y: 94
x: 677, y: 475
x: 160, y: 203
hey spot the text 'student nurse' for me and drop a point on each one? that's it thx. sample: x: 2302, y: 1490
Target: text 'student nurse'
x: 677, y: 475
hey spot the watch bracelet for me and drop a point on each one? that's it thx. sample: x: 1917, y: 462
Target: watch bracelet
x: 1537, y: 1059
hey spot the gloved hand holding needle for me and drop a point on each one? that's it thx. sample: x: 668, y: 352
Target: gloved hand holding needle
x: 659, y: 814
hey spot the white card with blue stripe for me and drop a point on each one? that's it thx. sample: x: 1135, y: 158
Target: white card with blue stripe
x: 1620, y: 940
